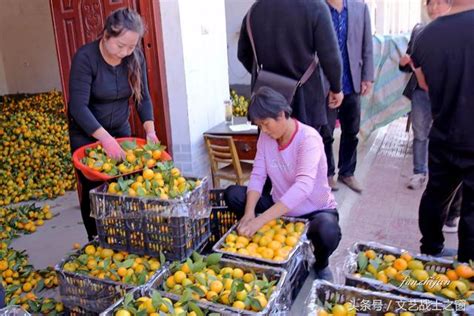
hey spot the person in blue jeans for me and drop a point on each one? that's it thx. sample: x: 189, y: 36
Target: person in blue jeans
x: 420, y: 101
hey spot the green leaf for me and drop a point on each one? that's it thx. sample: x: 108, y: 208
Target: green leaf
x: 141, y: 191
x: 198, y: 266
x: 142, y: 312
x: 201, y: 280
x: 128, y: 299
x: 195, y: 309
x: 196, y: 289
x: 40, y: 285
x: 375, y: 263
x: 213, y: 259
x: 362, y: 261
x: 196, y: 257
x: 162, y: 258
x: 170, y: 306
x: 156, y: 299
x: 255, y: 304
x: 142, y: 278
x: 127, y: 263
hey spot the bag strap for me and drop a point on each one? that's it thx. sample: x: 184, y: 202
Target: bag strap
x: 249, y: 32
x: 309, y: 71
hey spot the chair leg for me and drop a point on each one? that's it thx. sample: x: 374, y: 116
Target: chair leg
x: 216, y: 182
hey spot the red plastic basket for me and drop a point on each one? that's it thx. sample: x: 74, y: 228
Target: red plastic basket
x: 95, y: 175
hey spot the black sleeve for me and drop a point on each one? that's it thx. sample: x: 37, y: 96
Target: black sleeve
x: 145, y: 108
x: 80, y: 83
x: 419, y: 51
x: 414, y: 32
x: 244, y: 48
x: 327, y: 49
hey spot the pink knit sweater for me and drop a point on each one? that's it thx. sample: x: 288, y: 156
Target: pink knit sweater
x: 298, y: 171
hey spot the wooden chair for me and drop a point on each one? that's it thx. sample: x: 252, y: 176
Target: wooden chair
x: 225, y: 162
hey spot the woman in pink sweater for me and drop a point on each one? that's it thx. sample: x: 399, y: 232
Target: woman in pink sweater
x: 292, y: 155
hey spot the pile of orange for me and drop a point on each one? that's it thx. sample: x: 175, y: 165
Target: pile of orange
x: 137, y: 157
x: 273, y: 241
x: 407, y: 272
x: 119, y: 266
x: 214, y: 281
x: 163, y: 183
x: 35, y: 159
x: 156, y: 305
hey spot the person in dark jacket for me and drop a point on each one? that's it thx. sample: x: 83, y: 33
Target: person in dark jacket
x: 287, y: 35
x: 351, y: 21
x: 104, y: 75
x: 443, y: 60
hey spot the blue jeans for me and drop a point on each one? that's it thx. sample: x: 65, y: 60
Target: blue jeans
x: 421, y: 123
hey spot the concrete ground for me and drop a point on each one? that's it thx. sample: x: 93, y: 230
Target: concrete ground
x: 385, y: 212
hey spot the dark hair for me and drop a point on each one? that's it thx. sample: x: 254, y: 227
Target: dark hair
x: 116, y: 24
x: 267, y: 103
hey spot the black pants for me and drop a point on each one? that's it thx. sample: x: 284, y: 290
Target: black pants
x: 324, y: 231
x: 447, y: 170
x: 455, y: 206
x: 349, y: 117
x: 78, y: 139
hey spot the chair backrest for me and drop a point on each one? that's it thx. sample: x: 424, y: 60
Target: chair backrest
x: 222, y: 149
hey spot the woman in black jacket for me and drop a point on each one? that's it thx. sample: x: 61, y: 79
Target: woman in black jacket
x: 105, y: 75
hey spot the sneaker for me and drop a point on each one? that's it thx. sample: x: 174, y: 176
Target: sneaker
x: 446, y: 252
x: 324, y: 274
x: 416, y: 181
x: 451, y: 226
x: 332, y: 183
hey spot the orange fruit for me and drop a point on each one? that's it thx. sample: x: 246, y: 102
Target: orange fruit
x: 452, y: 275
x: 156, y: 154
x: 400, y: 264
x: 370, y: 254
x: 148, y: 174
x: 464, y: 271
x: 406, y: 256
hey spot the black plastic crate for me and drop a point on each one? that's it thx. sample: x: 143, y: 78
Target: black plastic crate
x: 221, y: 218
x: 150, y: 226
x: 368, y: 302
x: 86, y: 294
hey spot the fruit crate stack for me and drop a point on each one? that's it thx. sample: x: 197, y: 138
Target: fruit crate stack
x: 379, y: 267
x: 223, y: 285
x: 93, y: 278
x: 326, y: 298
x: 223, y: 222
x: 152, y: 225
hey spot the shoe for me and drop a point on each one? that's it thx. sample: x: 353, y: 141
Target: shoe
x: 332, y: 183
x: 324, y: 274
x: 416, y: 181
x: 451, y: 226
x: 446, y: 252
x: 352, y: 183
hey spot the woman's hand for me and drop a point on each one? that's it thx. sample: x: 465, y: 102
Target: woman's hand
x: 149, y: 128
x: 151, y: 137
x: 249, y: 227
x: 112, y: 148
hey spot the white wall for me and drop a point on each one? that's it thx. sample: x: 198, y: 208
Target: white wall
x: 194, y: 34
x: 27, y: 50
x: 235, y: 11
